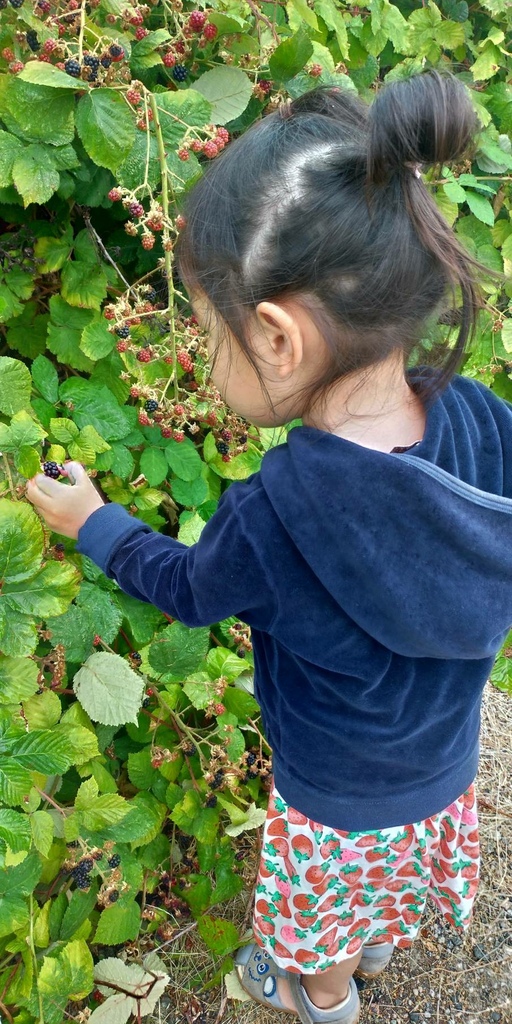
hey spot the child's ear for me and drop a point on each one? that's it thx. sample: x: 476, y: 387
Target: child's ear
x: 279, y: 340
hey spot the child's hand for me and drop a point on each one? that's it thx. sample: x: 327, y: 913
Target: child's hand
x: 65, y: 508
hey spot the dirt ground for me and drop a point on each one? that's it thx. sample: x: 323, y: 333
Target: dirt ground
x: 442, y: 979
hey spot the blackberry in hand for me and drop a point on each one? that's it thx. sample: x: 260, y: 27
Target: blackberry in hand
x: 114, y: 861
x: 52, y: 469
x: 122, y: 332
x: 33, y: 41
x: 179, y: 71
x: 151, y: 405
x: 72, y: 67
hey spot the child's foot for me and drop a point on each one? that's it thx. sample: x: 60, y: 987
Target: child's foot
x: 375, y: 958
x: 281, y: 990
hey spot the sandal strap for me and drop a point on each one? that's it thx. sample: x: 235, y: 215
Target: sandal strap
x: 346, y: 1015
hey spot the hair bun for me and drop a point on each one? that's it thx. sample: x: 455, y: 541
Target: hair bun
x: 426, y: 119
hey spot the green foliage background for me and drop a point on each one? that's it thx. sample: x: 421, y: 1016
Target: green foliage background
x: 123, y: 734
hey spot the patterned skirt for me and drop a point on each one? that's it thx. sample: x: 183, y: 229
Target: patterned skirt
x: 322, y: 892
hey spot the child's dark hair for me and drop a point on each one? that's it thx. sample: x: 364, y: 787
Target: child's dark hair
x: 322, y: 200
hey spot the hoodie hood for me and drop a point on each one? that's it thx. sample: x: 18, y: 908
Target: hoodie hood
x: 420, y: 559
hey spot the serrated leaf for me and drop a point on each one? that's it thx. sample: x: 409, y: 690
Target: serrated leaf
x: 116, y: 1010
x: 21, y: 540
x: 63, y: 430
x: 190, y: 493
x: 43, y: 751
x: 106, y: 127
x: 18, y: 679
x: 42, y: 831
x: 228, y: 89
x: 191, y: 530
x: 83, y: 285
x: 154, y: 466
x: 219, y: 935
x: 506, y: 335
x: 48, y: 592
x: 96, y: 340
x: 184, y: 459
x: 36, y: 113
x: 290, y: 56
x: 15, y: 830
x: 27, y: 462
x: 107, y: 809
x: 35, y: 174
x: 13, y: 914
x: 119, y: 923
x: 255, y: 817
x: 94, y: 404
x: 487, y: 64
x: 481, y: 207
x: 65, y: 331
x: 177, y: 110
x: 178, y: 650
x: 42, y: 710
x: 28, y: 333
x: 15, y: 385
x: 40, y: 73
x: 10, y: 148
x: 108, y: 689
x: 45, y: 378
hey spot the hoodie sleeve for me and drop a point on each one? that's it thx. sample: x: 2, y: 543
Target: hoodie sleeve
x: 220, y: 576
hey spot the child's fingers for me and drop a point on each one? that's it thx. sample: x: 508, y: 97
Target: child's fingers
x: 76, y: 472
x: 46, y: 485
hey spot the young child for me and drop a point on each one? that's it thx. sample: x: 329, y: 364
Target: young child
x: 367, y: 554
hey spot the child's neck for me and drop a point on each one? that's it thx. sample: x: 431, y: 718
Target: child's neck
x: 375, y: 408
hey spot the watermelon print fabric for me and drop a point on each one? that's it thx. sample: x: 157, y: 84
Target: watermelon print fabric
x: 321, y: 892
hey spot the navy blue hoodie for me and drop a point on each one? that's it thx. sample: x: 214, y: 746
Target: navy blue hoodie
x: 379, y: 590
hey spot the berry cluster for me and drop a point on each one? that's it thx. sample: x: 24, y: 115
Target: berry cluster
x: 81, y: 873
x: 241, y: 635
x: 209, y: 148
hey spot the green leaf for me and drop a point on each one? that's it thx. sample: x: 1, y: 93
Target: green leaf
x: 13, y: 914
x: 305, y: 13
x: 253, y: 819
x: 96, y: 340
x: 142, y: 618
x: 154, y: 466
x: 64, y: 430
x: 42, y: 710
x: 87, y: 445
x: 40, y: 73
x: 27, y: 462
x: 106, y: 127
x: 45, y: 378
x: 487, y: 64
x: 118, y: 924
x: 28, y: 333
x: 15, y: 782
x: 36, y: 113
x: 65, y: 331
x: 228, y: 89
x: 15, y: 830
x: 140, y: 770
x: 184, y: 459
x: 83, y: 285
x: 42, y: 831
x: 144, y: 151
x: 9, y: 305
x: 35, y: 175
x: 94, y: 404
x: 331, y: 14
x: 177, y: 110
x: 77, y: 911
x: 21, y: 540
x: 107, y: 809
x: 49, y: 592
x: 190, y: 493
x: 10, y: 149
x: 15, y: 385
x: 43, y: 751
x: 291, y: 56
x: 191, y: 530
x: 481, y: 207
x: 506, y: 335
x: 108, y: 689
x: 178, y: 650
x: 18, y: 679
x: 219, y: 935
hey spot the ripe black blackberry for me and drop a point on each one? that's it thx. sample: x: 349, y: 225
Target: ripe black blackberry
x: 146, y: 702
x: 33, y: 41
x: 222, y: 447
x: 151, y: 295
x: 86, y: 864
x: 72, y: 67
x: 243, y: 439
x: 105, y: 62
x: 116, y: 51
x: 189, y: 750
x: 114, y: 861
x: 52, y: 469
x: 179, y: 72
x: 211, y: 800
x: 122, y: 332
x: 251, y: 774
x: 250, y: 758
x: 91, y: 62
x: 135, y: 657
x: 218, y: 779
x: 16, y: 3
x: 81, y: 877
x: 72, y: 845
x: 151, y: 405
x: 113, y: 896
x: 241, y: 652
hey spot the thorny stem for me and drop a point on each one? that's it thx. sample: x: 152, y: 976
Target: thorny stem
x: 104, y: 252
x: 9, y: 477
x: 51, y: 801
x: 162, y: 157
x: 34, y: 958
x: 259, y: 16
x: 81, y: 34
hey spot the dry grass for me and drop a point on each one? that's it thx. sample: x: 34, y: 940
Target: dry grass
x: 443, y: 979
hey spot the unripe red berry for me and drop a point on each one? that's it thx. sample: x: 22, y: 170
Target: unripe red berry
x: 210, y: 149
x: 210, y: 31
x: 134, y: 391
x: 122, y: 346
x: 136, y: 209
x: 178, y: 410
x: 197, y: 20
x: 168, y: 359
x: 169, y: 60
x: 16, y: 67
x: 109, y: 314
x: 183, y: 154
x: 180, y: 222
x: 178, y: 436
x: 219, y: 708
x: 315, y: 70
x: 137, y: 18
x: 8, y: 54
x: 115, y: 195
x: 141, y: 32
x: 144, y: 355
x: 144, y: 419
x: 166, y: 431
x: 148, y: 240
x: 97, y: 640
x: 223, y: 134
